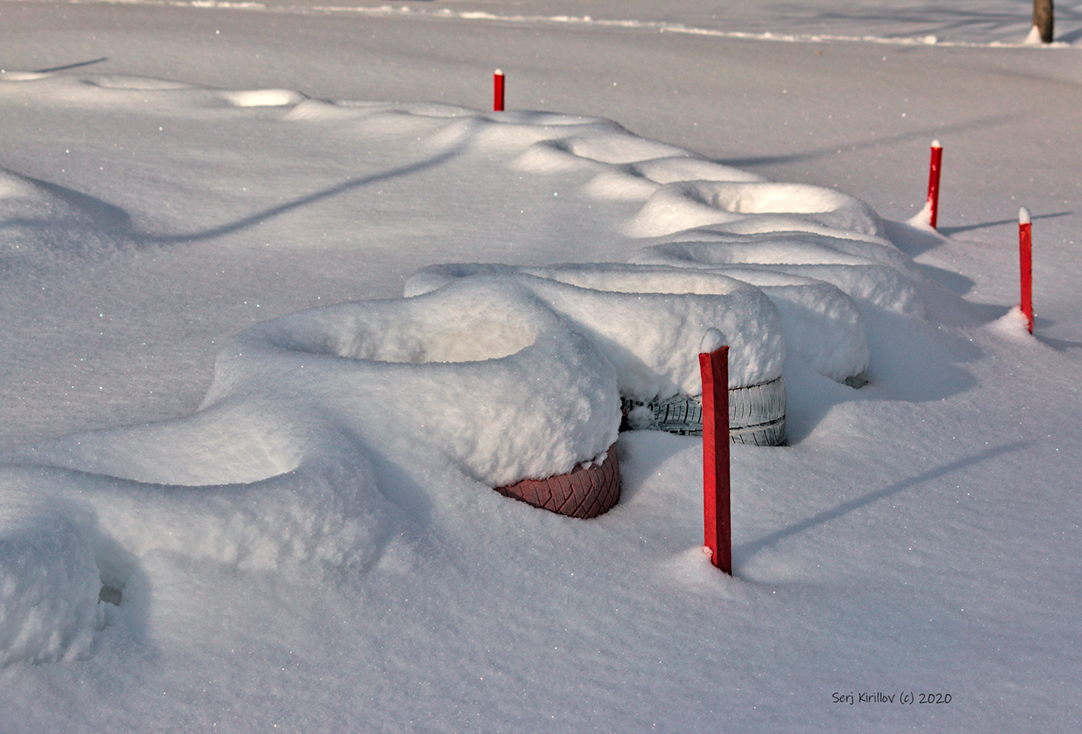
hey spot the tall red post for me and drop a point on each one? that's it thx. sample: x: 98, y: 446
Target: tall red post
x: 933, y: 183
x: 717, y: 529
x: 497, y: 91
x: 1025, y: 260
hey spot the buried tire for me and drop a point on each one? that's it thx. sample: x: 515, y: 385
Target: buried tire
x: 756, y: 414
x: 587, y: 491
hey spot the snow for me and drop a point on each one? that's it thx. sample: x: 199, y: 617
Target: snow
x: 280, y: 306
x: 648, y: 322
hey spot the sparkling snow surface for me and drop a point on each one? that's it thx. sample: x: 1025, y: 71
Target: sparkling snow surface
x: 268, y: 345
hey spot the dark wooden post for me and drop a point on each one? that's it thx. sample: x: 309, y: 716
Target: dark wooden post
x: 1042, y: 19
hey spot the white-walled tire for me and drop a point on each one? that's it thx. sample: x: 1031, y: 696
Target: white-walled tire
x: 756, y: 414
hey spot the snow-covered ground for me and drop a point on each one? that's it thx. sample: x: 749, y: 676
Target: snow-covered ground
x: 220, y: 410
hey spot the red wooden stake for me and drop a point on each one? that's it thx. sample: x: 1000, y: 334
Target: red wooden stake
x: 717, y: 529
x: 497, y: 89
x: 1025, y: 259
x: 933, y: 183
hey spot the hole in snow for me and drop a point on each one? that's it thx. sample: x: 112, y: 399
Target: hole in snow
x: 111, y: 594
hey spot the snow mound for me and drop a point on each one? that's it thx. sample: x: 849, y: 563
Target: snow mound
x: 482, y: 374
x: 49, y: 586
x: 874, y: 273
x: 42, y: 220
x: 648, y: 322
x: 264, y: 98
x: 747, y: 207
x: 292, y: 466
x: 639, y: 180
x: 823, y: 326
x: 630, y: 315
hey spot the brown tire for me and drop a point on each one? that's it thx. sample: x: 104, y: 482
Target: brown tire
x: 587, y: 491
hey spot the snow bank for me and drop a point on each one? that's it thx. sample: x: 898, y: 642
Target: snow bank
x: 823, y: 326
x: 289, y: 467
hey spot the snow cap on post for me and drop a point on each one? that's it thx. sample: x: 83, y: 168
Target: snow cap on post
x: 1025, y: 265
x: 497, y: 90
x: 933, y: 184
x: 717, y: 525
x: 713, y: 340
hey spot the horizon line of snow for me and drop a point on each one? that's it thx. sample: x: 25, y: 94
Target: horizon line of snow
x: 659, y: 26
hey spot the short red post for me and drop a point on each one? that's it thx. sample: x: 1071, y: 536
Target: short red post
x: 933, y: 183
x: 1025, y: 260
x: 497, y: 91
x: 717, y: 529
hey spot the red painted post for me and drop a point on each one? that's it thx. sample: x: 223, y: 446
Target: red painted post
x: 1025, y: 259
x: 933, y: 183
x: 717, y: 529
x: 497, y: 90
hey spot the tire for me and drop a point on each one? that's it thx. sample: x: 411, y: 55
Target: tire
x: 756, y: 414
x: 587, y: 491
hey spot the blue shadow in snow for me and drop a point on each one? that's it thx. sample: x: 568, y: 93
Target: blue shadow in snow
x: 749, y: 549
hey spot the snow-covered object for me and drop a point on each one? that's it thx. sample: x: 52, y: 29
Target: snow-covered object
x: 79, y: 542
x: 789, y: 247
x: 871, y: 272
x: 865, y: 552
x: 748, y: 207
x: 275, y: 472
x: 822, y: 325
x: 648, y: 322
x: 637, y: 181
x: 49, y: 585
x: 713, y: 340
x: 482, y: 372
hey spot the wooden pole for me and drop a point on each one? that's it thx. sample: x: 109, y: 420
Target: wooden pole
x: 1025, y: 261
x: 717, y: 528
x: 497, y: 91
x: 1043, y: 19
x: 933, y: 183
